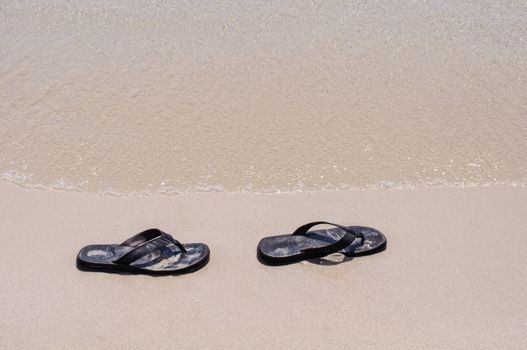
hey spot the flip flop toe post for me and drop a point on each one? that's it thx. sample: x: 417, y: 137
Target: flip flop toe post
x: 373, y: 242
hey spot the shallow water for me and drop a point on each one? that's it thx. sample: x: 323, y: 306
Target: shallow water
x: 123, y: 97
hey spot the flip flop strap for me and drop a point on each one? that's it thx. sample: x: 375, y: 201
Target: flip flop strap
x: 346, y: 240
x: 142, y: 237
x: 145, y: 243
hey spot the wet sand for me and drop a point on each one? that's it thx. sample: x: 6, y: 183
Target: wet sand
x: 453, y: 276
x: 120, y: 97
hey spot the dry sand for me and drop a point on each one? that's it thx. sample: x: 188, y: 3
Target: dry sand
x: 453, y: 276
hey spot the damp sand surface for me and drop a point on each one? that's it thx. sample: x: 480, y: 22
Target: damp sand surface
x: 452, y: 277
x: 124, y: 97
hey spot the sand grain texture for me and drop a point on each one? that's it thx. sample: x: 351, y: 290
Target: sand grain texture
x: 178, y: 97
x: 453, y: 276
x: 164, y: 97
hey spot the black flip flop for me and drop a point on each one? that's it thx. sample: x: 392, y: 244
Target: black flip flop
x: 304, y: 244
x: 152, y: 252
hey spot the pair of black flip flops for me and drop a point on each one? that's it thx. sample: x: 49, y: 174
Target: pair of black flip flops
x: 155, y: 252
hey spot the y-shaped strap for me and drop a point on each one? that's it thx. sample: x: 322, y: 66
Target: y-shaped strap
x: 145, y: 243
x: 348, y: 238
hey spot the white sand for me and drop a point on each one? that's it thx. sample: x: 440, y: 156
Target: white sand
x: 453, y: 276
x: 176, y: 97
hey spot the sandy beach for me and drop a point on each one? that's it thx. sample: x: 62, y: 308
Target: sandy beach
x: 262, y: 96
x: 453, y: 276
x: 225, y: 123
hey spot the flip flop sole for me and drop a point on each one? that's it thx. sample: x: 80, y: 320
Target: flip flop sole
x: 166, y: 263
x: 287, y: 249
